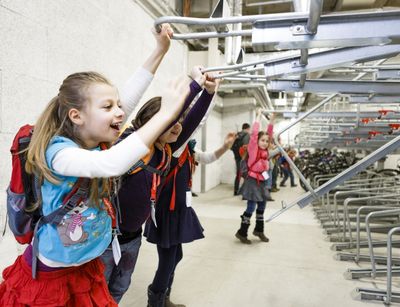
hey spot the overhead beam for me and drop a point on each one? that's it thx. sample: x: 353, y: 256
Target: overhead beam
x: 346, y: 114
x: 336, y: 86
x: 328, y: 59
x: 374, y: 99
x: 388, y: 74
x: 344, y: 30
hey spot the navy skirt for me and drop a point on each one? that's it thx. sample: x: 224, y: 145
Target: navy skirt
x: 173, y: 227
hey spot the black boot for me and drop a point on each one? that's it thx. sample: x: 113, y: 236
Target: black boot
x: 155, y: 299
x: 259, y: 229
x: 241, y: 234
x: 168, y: 303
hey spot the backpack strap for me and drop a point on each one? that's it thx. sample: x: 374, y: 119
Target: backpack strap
x: 142, y: 163
x: 79, y: 191
x: 186, y: 155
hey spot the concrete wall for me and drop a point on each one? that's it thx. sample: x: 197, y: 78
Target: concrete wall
x: 236, y: 112
x: 44, y: 41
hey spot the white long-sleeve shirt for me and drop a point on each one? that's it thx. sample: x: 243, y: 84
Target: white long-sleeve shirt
x: 204, y: 157
x: 112, y: 162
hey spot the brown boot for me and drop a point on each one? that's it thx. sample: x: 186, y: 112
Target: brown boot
x: 259, y: 229
x: 242, y: 239
x: 241, y: 234
x: 168, y: 303
x: 261, y: 235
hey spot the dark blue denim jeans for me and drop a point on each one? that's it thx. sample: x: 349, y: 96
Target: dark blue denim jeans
x: 286, y: 174
x: 119, y: 276
x: 251, y: 206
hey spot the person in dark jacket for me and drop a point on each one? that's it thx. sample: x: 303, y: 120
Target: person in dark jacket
x: 242, y: 138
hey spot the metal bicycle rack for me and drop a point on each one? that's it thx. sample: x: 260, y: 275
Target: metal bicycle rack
x: 359, y: 112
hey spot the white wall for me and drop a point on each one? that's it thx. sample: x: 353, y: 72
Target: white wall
x: 44, y: 41
x: 236, y: 112
x: 208, y: 176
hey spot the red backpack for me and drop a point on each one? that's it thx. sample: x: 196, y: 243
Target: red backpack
x: 21, y: 194
x: 24, y: 191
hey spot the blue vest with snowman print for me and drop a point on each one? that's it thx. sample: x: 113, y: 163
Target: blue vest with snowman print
x: 83, y: 234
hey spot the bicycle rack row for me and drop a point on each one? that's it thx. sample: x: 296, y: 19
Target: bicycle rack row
x: 362, y: 216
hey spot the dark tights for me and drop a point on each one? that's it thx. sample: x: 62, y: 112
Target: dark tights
x: 168, y: 259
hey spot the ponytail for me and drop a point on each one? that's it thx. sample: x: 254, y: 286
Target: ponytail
x: 46, y: 127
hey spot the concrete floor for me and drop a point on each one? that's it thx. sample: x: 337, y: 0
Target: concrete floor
x: 296, y: 269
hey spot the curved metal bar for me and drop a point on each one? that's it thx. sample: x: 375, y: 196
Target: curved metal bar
x: 371, y: 250
x: 388, y: 297
x: 234, y: 78
x: 205, y: 35
x: 358, y: 222
x: 223, y: 20
x: 346, y: 214
x: 234, y: 67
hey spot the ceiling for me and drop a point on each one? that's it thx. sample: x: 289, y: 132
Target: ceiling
x: 353, y: 52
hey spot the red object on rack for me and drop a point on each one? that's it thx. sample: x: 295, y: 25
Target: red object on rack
x: 394, y: 126
x: 384, y: 113
x: 366, y: 120
x: 373, y: 134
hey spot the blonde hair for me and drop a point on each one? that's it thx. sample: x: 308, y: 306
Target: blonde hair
x: 55, y: 121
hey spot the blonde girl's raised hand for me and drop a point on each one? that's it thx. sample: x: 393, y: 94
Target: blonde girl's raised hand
x: 164, y: 37
x: 172, y: 102
x: 196, y: 75
x: 174, y: 97
x: 163, y: 41
x: 211, y: 83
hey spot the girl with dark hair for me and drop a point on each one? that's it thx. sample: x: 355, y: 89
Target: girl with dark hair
x: 140, y: 187
x: 175, y: 220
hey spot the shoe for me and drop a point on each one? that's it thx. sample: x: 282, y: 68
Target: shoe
x: 155, y: 299
x: 293, y: 185
x: 261, y: 235
x: 242, y: 238
x: 282, y: 185
x: 274, y: 190
x: 194, y: 194
x: 168, y: 303
x: 269, y: 198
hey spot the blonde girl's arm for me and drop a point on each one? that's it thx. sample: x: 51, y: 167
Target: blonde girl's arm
x: 78, y: 162
x: 138, y: 83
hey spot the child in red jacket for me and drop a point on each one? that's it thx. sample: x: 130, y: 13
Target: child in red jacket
x: 254, y: 188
